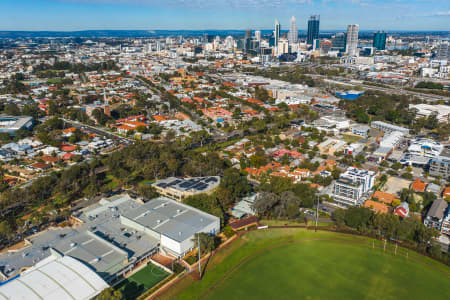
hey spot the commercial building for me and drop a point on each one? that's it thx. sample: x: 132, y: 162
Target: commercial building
x: 443, y: 51
x: 352, y: 40
x: 277, y: 33
x: 379, y: 40
x: 293, y: 32
x: 313, y: 29
x: 54, y: 278
x: 179, y: 189
x: 386, y: 127
x: 440, y: 166
x: 442, y: 112
x: 338, y: 42
x: 352, y: 185
x: 10, y: 124
x: 425, y: 147
x: 361, y: 130
x: 392, y: 140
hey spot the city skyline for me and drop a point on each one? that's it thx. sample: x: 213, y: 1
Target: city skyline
x: 68, y: 15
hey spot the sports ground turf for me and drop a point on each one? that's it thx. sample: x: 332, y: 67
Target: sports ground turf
x: 301, y: 264
x: 141, y: 281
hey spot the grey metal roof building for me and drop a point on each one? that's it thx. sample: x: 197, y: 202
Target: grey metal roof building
x: 435, y: 215
x: 11, y: 124
x: 114, y: 236
x: 174, y: 223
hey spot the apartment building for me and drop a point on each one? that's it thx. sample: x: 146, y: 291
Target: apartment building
x: 352, y: 185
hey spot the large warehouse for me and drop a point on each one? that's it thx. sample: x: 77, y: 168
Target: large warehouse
x: 114, y: 236
x: 55, y: 278
x: 174, y: 224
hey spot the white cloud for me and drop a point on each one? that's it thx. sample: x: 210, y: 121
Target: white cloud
x: 199, y: 3
x: 442, y: 13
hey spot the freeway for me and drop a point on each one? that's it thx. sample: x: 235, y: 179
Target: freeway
x: 392, y: 89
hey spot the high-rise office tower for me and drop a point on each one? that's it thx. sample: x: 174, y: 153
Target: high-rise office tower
x: 338, y: 42
x: 313, y: 29
x: 443, y: 51
x: 293, y: 32
x: 229, y: 42
x: 258, y: 35
x: 352, y: 39
x: 277, y: 33
x: 248, y: 34
x: 379, y: 40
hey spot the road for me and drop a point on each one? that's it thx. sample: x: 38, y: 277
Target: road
x: 98, y: 131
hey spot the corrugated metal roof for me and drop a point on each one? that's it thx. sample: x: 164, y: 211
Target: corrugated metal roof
x: 55, y: 278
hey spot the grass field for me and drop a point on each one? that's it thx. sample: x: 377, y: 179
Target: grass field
x: 350, y: 138
x: 301, y: 264
x: 141, y: 281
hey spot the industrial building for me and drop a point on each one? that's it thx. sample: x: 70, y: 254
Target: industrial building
x: 179, y: 189
x: 10, y: 124
x: 115, y: 235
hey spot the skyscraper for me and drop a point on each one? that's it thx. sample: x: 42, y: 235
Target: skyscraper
x: 313, y: 29
x: 277, y: 33
x: 248, y: 34
x: 379, y: 40
x: 258, y: 35
x: 443, y: 51
x: 338, y: 42
x: 352, y: 39
x: 293, y: 32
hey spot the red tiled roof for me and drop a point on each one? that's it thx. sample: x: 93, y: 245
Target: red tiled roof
x: 376, y: 206
x: 384, y: 197
x: 418, y: 186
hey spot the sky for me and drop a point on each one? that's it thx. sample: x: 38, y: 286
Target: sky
x: 68, y: 15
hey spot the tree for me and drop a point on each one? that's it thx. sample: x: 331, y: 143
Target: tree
x: 338, y: 216
x: 110, y: 294
x: 100, y: 116
x: 147, y: 191
x: 235, y: 183
x: 207, y: 243
x: 5, y: 229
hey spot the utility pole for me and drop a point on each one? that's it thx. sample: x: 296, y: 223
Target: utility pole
x: 384, y: 248
x: 199, y: 259
x: 317, y: 212
x: 396, y: 248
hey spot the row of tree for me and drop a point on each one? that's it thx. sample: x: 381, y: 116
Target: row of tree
x: 409, y: 231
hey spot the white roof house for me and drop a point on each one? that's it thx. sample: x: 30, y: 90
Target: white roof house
x: 54, y: 278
